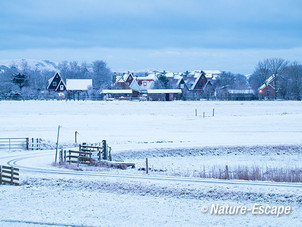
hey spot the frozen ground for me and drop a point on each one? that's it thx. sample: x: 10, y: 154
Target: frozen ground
x: 168, y: 133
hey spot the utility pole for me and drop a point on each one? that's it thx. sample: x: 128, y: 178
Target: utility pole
x: 57, y: 145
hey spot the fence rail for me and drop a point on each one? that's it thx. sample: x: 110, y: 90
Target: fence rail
x: 20, y: 143
x: 86, y: 154
x: 9, y: 175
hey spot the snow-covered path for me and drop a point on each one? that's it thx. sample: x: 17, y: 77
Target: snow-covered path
x: 32, y: 163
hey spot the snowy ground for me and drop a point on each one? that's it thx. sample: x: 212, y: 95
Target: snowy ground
x: 173, y: 138
x: 141, y: 125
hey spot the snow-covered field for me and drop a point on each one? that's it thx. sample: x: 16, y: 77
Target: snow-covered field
x: 173, y: 138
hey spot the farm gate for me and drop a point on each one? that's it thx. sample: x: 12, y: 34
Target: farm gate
x: 9, y: 175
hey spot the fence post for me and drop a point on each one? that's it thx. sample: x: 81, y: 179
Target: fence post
x: 104, y: 148
x: 195, y: 112
x: 32, y: 143
x: 37, y: 144
x: 61, y: 157
x: 110, y: 156
x: 76, y: 137
x: 204, y: 114
x: 147, y: 166
x: 64, y: 155
x: 213, y: 112
x: 0, y: 174
x: 12, y: 175
x: 27, y: 143
x: 69, y: 158
x: 100, y: 154
x: 57, y: 144
x: 227, y: 172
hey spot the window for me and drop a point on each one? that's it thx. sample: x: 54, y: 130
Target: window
x: 61, y: 87
x: 54, y: 83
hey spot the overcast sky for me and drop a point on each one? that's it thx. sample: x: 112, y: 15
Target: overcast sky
x: 175, y: 35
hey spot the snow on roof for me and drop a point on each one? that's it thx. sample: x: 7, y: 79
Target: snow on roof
x: 246, y: 91
x: 267, y: 82
x: 150, y: 76
x: 78, y: 84
x: 169, y: 74
x: 165, y: 91
x: 146, y: 84
x: 134, y: 86
x: 50, y: 80
x: 212, y: 74
x: 120, y: 91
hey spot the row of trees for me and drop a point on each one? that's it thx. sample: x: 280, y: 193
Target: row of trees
x: 25, y: 81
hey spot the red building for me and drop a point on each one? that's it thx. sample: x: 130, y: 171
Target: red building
x: 267, y: 90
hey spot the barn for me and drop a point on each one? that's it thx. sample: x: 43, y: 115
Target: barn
x: 78, y: 87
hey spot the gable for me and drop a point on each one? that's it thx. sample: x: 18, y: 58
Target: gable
x: 200, y: 83
x: 54, y: 82
x: 61, y: 86
x: 129, y: 79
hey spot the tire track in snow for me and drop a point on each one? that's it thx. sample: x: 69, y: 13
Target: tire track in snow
x: 14, y: 162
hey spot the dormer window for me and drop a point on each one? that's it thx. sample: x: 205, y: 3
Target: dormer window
x: 54, y: 83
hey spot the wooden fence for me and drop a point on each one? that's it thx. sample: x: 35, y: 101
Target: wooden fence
x: 86, y: 154
x: 9, y: 175
x: 20, y: 143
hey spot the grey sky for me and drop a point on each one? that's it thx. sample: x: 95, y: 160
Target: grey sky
x: 174, y: 35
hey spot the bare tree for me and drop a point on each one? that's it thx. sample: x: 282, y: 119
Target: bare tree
x: 293, y: 74
x: 267, y: 68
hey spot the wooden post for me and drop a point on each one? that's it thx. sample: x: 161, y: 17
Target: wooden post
x: 195, y: 112
x: 27, y: 143
x: 213, y: 112
x: 110, y: 156
x: 204, y: 114
x: 100, y: 154
x: 69, y: 158
x: 147, y: 166
x: 104, y: 147
x: 32, y: 143
x: 61, y: 157
x: 57, y: 145
x: 227, y: 172
x: 37, y: 144
x: 0, y: 174
x: 12, y: 175
x: 76, y: 137
x: 64, y: 155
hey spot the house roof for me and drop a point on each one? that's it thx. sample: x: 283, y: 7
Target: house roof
x: 119, y: 91
x: 164, y: 91
x: 246, y: 91
x: 134, y: 86
x: 78, y: 84
x: 51, y: 79
x: 267, y: 82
